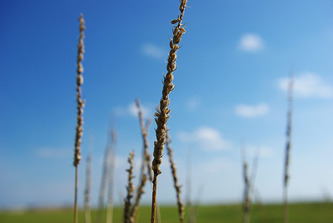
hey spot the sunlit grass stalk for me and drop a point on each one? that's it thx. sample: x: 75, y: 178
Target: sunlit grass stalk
x: 288, y: 147
x: 175, y: 179
x: 163, y: 113
x: 80, y: 105
x: 109, y: 212
x: 130, y: 189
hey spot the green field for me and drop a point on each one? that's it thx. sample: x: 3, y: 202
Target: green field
x: 298, y: 213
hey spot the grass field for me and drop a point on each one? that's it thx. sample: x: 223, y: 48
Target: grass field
x: 299, y: 213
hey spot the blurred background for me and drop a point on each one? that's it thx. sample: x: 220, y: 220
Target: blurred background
x: 230, y: 93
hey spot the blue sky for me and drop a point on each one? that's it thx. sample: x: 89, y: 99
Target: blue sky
x: 229, y: 93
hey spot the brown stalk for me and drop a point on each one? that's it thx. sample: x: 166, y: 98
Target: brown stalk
x: 148, y: 157
x: 288, y: 147
x: 140, y: 191
x: 80, y: 105
x: 163, y: 113
x: 175, y: 179
x: 145, y: 163
x: 144, y: 133
x: 130, y: 189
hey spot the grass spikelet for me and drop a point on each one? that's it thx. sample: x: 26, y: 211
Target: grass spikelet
x: 288, y: 147
x: 130, y: 189
x: 175, y: 179
x: 163, y: 113
x: 80, y: 105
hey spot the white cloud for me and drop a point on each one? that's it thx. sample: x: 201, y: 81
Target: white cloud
x: 153, y: 51
x: 206, y: 138
x: 308, y: 85
x: 250, y: 111
x: 192, y: 104
x: 251, y: 43
x: 132, y: 110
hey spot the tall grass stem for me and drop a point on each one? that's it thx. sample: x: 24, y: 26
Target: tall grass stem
x: 288, y: 148
x: 175, y: 179
x: 163, y: 113
x: 80, y: 105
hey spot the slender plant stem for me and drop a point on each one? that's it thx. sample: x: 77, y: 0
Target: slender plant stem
x: 144, y: 132
x: 163, y: 113
x: 75, y: 195
x: 175, y: 179
x: 105, y: 174
x: 109, y: 213
x: 153, y: 207
x: 288, y: 147
x: 87, y: 190
x: 246, y: 201
x: 130, y: 189
x: 80, y: 105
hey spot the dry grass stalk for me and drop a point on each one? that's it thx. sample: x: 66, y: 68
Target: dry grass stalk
x: 87, y: 190
x: 144, y: 133
x: 162, y: 115
x: 109, y: 213
x: 192, y: 218
x: 148, y: 157
x: 288, y: 147
x: 105, y: 170
x: 188, y: 179
x: 246, y: 201
x: 253, y: 189
x: 194, y: 208
x: 175, y: 179
x: 145, y: 163
x: 139, y: 193
x: 130, y: 189
x: 80, y: 105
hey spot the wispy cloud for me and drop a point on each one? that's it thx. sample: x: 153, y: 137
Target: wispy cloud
x: 192, y: 104
x: 131, y: 110
x: 262, y: 151
x: 53, y: 153
x: 308, y: 85
x: 153, y: 51
x: 251, y: 111
x: 206, y: 138
x: 251, y: 42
